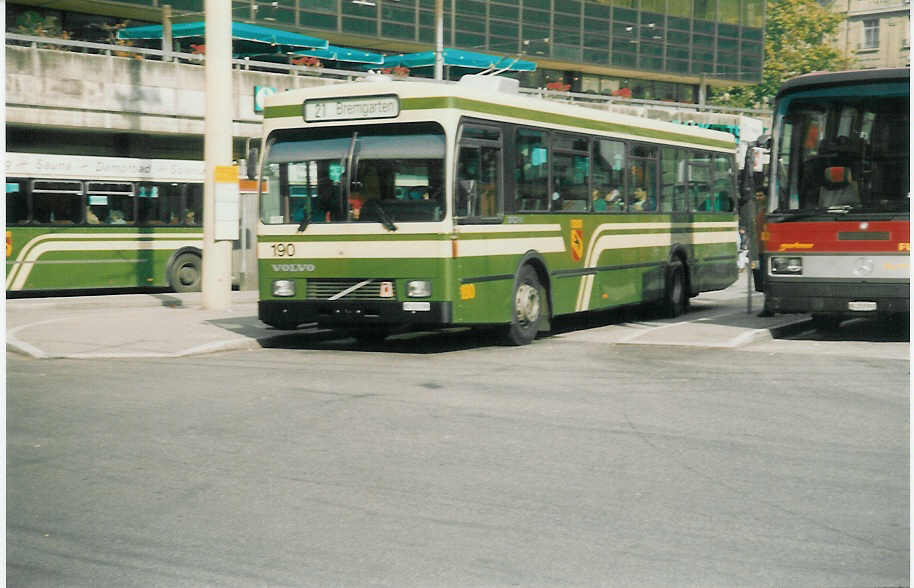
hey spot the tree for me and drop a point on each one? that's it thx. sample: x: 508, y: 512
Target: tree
x: 798, y: 40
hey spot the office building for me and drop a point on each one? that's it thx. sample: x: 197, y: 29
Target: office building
x: 654, y: 49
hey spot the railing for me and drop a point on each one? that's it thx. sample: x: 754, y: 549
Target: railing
x: 176, y: 56
x: 603, y: 100
x: 337, y: 75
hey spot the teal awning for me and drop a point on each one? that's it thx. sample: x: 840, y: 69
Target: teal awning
x: 247, y: 39
x: 459, y: 58
x: 334, y: 53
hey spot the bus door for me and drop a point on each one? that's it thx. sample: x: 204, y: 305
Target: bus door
x: 479, y: 200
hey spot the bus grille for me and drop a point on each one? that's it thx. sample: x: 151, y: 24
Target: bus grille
x: 324, y: 289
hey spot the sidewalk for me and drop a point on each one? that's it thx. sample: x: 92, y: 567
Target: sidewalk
x: 176, y: 325
x: 132, y: 325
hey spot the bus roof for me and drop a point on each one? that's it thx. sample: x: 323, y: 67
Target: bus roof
x: 500, y: 105
x: 840, y: 78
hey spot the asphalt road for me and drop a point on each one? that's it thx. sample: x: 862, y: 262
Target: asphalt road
x: 442, y: 461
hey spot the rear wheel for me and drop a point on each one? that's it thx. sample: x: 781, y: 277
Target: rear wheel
x: 185, y: 274
x: 675, y: 298
x: 529, y: 304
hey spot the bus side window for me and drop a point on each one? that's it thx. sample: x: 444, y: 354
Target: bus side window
x: 722, y: 192
x: 642, y: 179
x: 570, y: 173
x: 152, y: 204
x: 699, y: 182
x: 193, y: 205
x: 57, y: 202
x: 673, y: 188
x: 608, y: 178
x: 110, y: 203
x: 17, y: 204
x: 532, y: 170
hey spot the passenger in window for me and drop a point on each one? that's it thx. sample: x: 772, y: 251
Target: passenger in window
x: 189, y: 217
x: 355, y: 204
x: 609, y: 202
x: 117, y: 218
x: 91, y: 218
x: 640, y: 202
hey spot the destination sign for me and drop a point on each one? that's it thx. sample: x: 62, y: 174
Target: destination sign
x: 327, y: 109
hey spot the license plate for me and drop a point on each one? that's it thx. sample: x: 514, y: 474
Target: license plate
x: 860, y: 306
x: 417, y: 306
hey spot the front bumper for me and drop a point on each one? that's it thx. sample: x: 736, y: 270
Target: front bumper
x: 835, y: 297
x: 353, y: 314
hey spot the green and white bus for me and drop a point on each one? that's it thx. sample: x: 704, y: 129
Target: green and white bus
x: 414, y: 204
x: 77, y: 222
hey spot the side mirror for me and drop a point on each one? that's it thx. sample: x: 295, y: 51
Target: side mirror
x: 253, y: 160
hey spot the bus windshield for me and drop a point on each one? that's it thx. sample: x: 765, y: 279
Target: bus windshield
x: 843, y: 154
x: 376, y: 173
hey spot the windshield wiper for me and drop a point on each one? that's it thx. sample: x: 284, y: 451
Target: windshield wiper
x: 305, y: 221
x: 842, y: 208
x: 810, y: 212
x: 384, y: 218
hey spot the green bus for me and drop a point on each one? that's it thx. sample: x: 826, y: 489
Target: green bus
x: 396, y: 205
x: 80, y: 222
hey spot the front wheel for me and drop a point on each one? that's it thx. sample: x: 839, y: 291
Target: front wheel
x: 529, y: 306
x: 185, y: 274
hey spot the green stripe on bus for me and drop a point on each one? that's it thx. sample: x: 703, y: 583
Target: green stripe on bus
x: 283, y: 111
x: 290, y: 110
x: 548, y: 117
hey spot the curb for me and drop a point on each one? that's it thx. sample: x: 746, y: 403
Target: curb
x: 769, y: 334
x: 246, y: 344
x: 108, y: 301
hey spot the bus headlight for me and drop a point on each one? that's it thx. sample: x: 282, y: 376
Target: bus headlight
x: 419, y: 288
x: 787, y: 265
x: 284, y: 288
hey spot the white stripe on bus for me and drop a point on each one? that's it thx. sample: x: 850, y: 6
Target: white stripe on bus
x: 601, y: 243
x: 440, y: 249
x: 19, y: 272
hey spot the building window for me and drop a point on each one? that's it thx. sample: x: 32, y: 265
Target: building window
x: 870, y: 33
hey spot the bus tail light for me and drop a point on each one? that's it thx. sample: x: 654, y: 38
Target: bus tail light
x: 787, y: 265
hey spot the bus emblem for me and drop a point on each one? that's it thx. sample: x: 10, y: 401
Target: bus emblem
x: 577, y: 244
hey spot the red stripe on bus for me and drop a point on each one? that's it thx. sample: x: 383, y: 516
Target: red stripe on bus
x: 838, y: 237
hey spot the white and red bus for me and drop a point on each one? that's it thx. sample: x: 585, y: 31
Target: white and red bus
x: 836, y: 238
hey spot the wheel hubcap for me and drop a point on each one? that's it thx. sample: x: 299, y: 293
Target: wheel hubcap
x: 527, y: 304
x: 187, y: 275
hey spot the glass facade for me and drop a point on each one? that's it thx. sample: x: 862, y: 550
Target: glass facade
x: 718, y: 38
x: 623, y: 47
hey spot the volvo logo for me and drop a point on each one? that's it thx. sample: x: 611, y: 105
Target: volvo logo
x: 293, y: 267
x: 863, y: 266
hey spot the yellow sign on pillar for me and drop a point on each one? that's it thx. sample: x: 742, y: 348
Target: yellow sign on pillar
x: 227, y: 199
